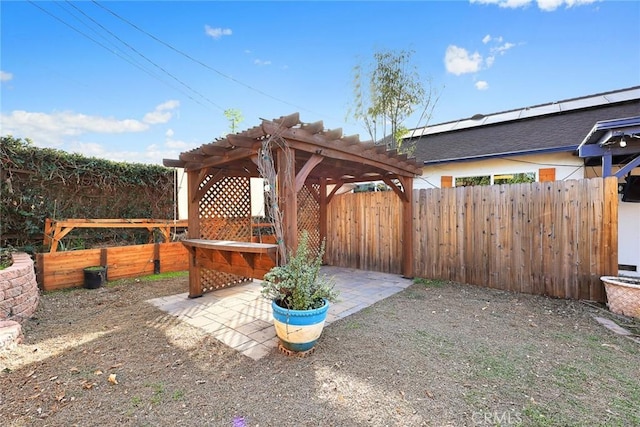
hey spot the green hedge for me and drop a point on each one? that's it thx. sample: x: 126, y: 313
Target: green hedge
x: 40, y: 183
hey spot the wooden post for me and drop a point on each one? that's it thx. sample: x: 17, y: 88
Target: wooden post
x: 323, y: 214
x: 193, y: 182
x: 48, y: 232
x: 407, y: 228
x: 156, y: 258
x: 609, y: 229
x: 40, y: 270
x: 287, y: 197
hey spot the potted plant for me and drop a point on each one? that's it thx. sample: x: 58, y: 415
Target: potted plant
x: 300, y: 297
x: 95, y: 276
x: 623, y: 295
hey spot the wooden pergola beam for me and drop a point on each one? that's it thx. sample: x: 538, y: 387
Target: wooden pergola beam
x: 301, y: 140
x: 301, y: 177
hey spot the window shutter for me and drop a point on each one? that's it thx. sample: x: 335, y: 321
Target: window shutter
x: 446, y: 181
x: 547, y: 174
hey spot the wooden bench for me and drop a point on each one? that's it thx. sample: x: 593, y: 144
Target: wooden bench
x: 244, y: 259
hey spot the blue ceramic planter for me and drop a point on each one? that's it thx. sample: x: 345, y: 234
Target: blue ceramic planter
x: 299, y: 330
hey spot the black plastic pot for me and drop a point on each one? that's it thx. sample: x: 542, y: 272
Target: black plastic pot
x: 94, y: 277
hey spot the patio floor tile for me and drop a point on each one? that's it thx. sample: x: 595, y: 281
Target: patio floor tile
x: 241, y: 318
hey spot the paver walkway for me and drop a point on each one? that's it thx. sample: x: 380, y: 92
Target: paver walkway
x: 241, y: 318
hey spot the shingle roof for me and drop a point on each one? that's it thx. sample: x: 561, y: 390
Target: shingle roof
x: 557, y: 131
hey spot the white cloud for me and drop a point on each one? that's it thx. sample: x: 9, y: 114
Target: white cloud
x: 171, y: 143
x: 67, y: 131
x: 174, y: 144
x: 486, y: 39
x: 546, y: 5
x: 500, y: 50
x: 458, y: 61
x: 504, y: 3
x: 152, y: 154
x: 497, y: 50
x: 260, y: 62
x: 5, y: 77
x: 549, y: 5
x: 216, y: 33
x: 168, y: 105
x: 54, y: 129
x: 482, y: 85
x: 162, y: 113
x: 49, y: 129
x: 157, y: 117
x: 89, y: 149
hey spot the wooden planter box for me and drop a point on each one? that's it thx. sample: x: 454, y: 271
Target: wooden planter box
x: 61, y: 270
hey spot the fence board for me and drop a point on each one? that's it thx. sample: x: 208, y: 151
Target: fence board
x: 550, y: 238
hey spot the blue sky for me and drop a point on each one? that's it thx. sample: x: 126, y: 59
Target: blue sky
x: 141, y: 81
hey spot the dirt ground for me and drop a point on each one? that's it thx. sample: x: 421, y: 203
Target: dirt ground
x: 437, y: 354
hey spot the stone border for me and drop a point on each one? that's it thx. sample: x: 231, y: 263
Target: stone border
x: 19, y: 294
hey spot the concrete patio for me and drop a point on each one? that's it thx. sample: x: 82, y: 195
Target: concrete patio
x: 241, y: 318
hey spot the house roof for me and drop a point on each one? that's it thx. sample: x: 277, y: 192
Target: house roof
x: 556, y: 127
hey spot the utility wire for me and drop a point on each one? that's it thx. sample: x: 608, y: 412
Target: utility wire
x: 208, y: 67
x: 114, y: 52
x: 145, y: 57
x: 114, y: 47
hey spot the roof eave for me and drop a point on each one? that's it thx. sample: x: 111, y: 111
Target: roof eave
x: 565, y: 149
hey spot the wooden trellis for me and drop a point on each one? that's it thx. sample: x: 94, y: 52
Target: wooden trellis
x: 317, y: 163
x: 225, y: 214
x: 309, y: 214
x: 55, y: 230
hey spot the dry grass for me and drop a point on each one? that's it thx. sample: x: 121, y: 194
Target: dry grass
x: 436, y: 354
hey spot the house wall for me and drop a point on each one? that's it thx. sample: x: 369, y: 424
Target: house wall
x: 181, y: 191
x: 257, y: 195
x: 567, y: 166
x: 629, y: 237
x: 628, y: 227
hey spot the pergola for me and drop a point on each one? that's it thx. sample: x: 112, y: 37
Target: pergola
x: 311, y: 164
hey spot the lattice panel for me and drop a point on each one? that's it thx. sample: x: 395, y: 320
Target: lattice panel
x: 225, y: 210
x: 225, y: 214
x: 212, y: 280
x: 309, y: 215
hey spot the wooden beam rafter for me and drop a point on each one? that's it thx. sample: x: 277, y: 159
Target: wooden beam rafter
x: 243, y: 141
x: 301, y: 176
x: 214, y: 149
x: 332, y: 133
x: 314, y: 127
x: 399, y: 191
x: 300, y: 140
x: 334, y: 190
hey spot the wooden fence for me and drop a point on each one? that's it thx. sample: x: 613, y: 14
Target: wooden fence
x: 550, y: 238
x: 364, y: 230
x: 60, y: 270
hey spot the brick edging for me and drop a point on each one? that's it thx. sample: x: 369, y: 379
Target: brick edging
x: 19, y: 294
